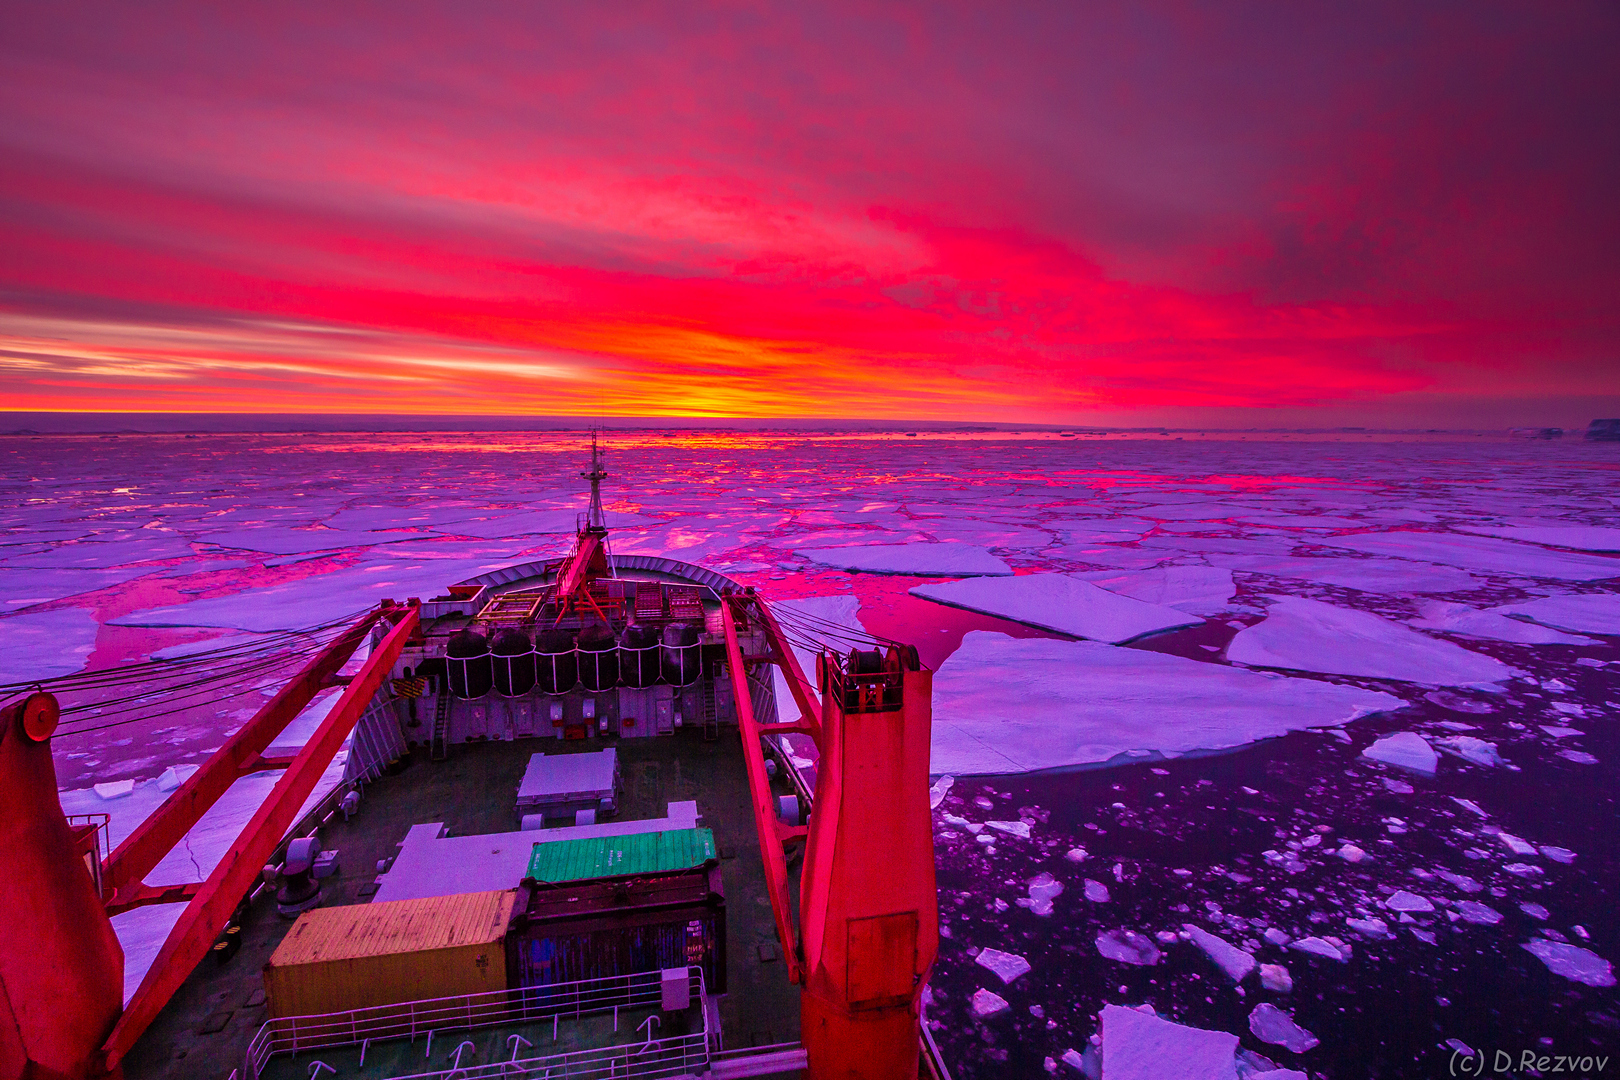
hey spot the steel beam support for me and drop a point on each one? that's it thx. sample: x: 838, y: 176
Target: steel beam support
x: 210, y: 909
x: 155, y: 837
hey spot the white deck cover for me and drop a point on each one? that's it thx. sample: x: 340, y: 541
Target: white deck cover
x: 432, y: 864
x: 558, y: 778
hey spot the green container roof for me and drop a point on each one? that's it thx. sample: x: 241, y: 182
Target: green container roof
x: 616, y: 856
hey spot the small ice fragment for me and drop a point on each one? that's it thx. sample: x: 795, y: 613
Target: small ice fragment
x: 1399, y: 787
x: 1247, y: 790
x: 1522, y: 869
x: 1559, y: 731
x: 1128, y: 947
x: 1071, y: 1058
x: 1558, y: 854
x: 983, y: 803
x: 1350, y: 853
x: 1477, y: 751
x: 1480, y: 914
x: 1317, y: 947
x: 114, y: 789
x: 1043, y: 889
x: 1469, y: 804
x: 1535, y: 910
x: 1275, y: 977
x: 1405, y: 750
x: 952, y: 819
x: 174, y: 776
x: 1375, y: 929
x: 1096, y: 892
x: 1019, y: 829
x: 1005, y: 965
x: 986, y: 1003
x: 1422, y: 935
x: 936, y: 793
x: 1270, y: 1024
x: 1076, y: 854
x: 1406, y: 901
x: 1516, y: 845
x: 1461, y: 881
x: 1275, y: 936
x: 1579, y: 757
x: 1573, y: 962
x: 1236, y: 962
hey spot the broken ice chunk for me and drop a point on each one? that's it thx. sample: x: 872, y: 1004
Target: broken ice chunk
x: 1317, y: 947
x: 1275, y: 936
x: 1076, y: 854
x: 1375, y: 929
x: 1275, y: 977
x: 1019, y: 829
x: 1351, y: 853
x: 1480, y: 914
x: 1461, y: 881
x: 1516, y: 845
x: 936, y: 793
x: 1141, y: 1046
x: 1522, y: 869
x: 1006, y: 966
x: 1534, y: 910
x: 1560, y: 731
x: 1470, y: 749
x: 985, y: 1003
x: 1572, y: 962
x: 1469, y: 804
x: 1128, y: 947
x: 1043, y: 888
x: 1402, y: 900
x: 1405, y: 750
x: 1398, y: 787
x: 1579, y: 757
x: 1060, y: 602
x: 114, y: 789
x: 1270, y: 1024
x: 1558, y: 854
x: 1236, y: 962
x: 1096, y: 892
x: 174, y: 776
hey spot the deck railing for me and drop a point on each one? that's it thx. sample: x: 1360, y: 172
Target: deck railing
x: 442, y: 1016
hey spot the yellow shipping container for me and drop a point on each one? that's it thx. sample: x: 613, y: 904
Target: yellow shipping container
x: 340, y: 958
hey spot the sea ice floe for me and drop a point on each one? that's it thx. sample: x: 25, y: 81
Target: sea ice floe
x: 38, y: 645
x: 1308, y: 635
x: 1470, y: 749
x: 26, y: 587
x: 1401, y: 900
x: 1060, y: 602
x: 1318, y: 947
x: 927, y: 560
x: 1473, y: 911
x: 1200, y: 590
x: 1481, y: 553
x: 524, y: 523
x: 1128, y: 947
x: 1096, y: 891
x: 938, y: 790
x: 1043, y: 889
x: 1579, y: 757
x: 1371, y: 928
x: 1406, y: 750
x: 1236, y: 962
x: 1004, y: 704
x: 1591, y: 613
x: 1138, y: 1045
x: 987, y: 1003
x: 1491, y: 625
x: 1005, y: 966
x: 1557, y: 854
x: 1389, y: 576
x: 1019, y: 829
x: 1270, y: 1024
x: 280, y: 541
x: 1275, y: 977
x: 1572, y: 962
x: 1579, y: 537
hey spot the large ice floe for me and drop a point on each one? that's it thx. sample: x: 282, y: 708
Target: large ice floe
x: 1393, y: 576
x: 1059, y: 602
x: 1308, y: 635
x: 1003, y: 704
x: 1200, y: 590
x: 1139, y: 1045
x: 45, y: 644
x: 1592, y: 613
x: 1579, y: 537
x: 1491, y: 625
x: 1481, y: 553
x: 925, y: 560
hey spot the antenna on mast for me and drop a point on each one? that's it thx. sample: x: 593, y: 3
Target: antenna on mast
x: 595, y: 518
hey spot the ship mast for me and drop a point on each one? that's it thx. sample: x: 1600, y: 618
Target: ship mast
x: 595, y: 519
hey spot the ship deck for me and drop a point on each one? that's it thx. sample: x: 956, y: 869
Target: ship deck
x: 205, y: 1030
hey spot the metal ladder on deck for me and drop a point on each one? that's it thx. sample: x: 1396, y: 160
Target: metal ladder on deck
x: 711, y: 713
x: 441, y: 726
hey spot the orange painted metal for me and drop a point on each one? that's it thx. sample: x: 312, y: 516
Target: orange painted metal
x: 869, y: 910
x: 210, y: 909
x: 773, y: 834
x: 155, y: 837
x: 61, y: 968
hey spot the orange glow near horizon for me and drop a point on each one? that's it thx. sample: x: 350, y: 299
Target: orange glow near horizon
x: 775, y: 217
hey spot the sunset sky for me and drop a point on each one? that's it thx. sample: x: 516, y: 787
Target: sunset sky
x: 1225, y: 214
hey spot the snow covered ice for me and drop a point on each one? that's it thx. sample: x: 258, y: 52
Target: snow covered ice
x: 1059, y: 602
x: 934, y: 560
x: 1406, y: 750
x: 1004, y: 704
x: 1138, y: 1045
x: 1309, y: 635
